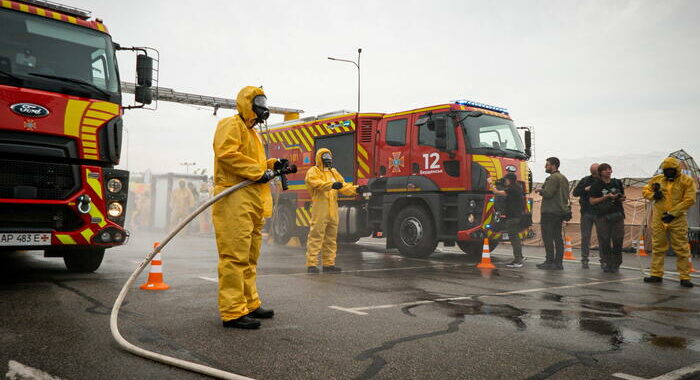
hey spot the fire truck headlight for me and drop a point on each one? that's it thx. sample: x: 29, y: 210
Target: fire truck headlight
x: 114, y: 185
x: 470, y: 218
x: 115, y: 209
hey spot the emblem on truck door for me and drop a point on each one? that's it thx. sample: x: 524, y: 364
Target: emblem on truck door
x: 29, y: 110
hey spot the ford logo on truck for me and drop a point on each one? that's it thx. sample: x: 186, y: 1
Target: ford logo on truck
x: 29, y: 110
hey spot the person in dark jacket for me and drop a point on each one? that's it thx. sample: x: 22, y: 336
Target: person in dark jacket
x: 582, y: 191
x: 515, y: 196
x: 555, y: 210
x: 606, y: 196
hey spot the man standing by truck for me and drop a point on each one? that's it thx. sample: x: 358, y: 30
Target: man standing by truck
x: 514, y: 211
x: 555, y: 210
x: 324, y: 183
x: 582, y: 190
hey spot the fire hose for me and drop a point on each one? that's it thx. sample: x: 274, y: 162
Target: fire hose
x: 113, y: 320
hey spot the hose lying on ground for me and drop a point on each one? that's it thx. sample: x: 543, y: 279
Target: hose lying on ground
x: 113, y: 320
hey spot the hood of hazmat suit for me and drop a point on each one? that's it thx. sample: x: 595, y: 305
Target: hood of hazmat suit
x: 678, y: 197
x: 239, y: 217
x: 324, y: 209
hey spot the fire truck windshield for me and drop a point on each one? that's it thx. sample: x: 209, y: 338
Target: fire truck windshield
x: 45, y: 54
x: 491, y: 135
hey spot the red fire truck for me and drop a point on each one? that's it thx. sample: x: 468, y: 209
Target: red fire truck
x: 425, y: 171
x: 61, y: 133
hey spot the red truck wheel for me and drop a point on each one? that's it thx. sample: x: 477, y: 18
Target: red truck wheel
x: 414, y: 232
x: 283, y: 225
x: 83, y: 260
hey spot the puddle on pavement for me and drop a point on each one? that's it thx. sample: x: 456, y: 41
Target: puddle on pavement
x: 598, y: 318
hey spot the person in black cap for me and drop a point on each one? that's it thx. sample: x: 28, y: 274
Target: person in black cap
x: 514, y: 205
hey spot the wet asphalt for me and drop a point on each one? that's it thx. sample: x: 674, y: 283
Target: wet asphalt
x: 384, y: 317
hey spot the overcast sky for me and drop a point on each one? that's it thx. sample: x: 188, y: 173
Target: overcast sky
x: 595, y: 78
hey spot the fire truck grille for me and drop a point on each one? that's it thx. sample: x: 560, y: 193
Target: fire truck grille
x: 37, y: 180
x: 30, y: 217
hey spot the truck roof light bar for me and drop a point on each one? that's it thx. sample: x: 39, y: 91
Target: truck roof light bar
x: 72, y: 11
x: 464, y: 102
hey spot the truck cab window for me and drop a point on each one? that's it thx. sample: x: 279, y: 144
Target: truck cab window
x: 427, y: 137
x: 396, y: 132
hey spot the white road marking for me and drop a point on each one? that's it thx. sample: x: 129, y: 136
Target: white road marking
x: 212, y: 279
x: 361, y: 309
x: 19, y: 371
x: 678, y: 374
x: 347, y: 310
x: 628, y: 377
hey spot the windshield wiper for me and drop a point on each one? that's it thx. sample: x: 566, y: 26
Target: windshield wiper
x: 517, y: 151
x: 76, y: 81
x: 490, y: 149
x: 10, y: 75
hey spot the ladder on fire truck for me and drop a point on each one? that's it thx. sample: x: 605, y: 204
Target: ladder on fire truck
x: 169, y: 95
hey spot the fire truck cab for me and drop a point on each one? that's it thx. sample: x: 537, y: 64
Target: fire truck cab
x: 424, y: 174
x: 61, y: 133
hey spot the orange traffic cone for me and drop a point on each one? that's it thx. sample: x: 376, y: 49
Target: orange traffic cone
x: 641, y: 250
x: 568, y: 249
x: 155, y: 275
x: 486, y: 257
x: 690, y: 259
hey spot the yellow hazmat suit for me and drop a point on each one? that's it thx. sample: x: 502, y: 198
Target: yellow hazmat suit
x: 239, y: 217
x: 181, y: 203
x: 324, y: 210
x: 678, y: 196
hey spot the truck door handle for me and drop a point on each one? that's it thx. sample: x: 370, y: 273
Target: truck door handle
x: 415, y: 167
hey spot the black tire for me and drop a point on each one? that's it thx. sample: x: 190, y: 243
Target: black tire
x: 83, y: 260
x: 474, y: 248
x: 283, y: 225
x: 414, y: 233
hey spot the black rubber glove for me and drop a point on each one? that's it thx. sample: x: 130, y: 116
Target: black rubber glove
x: 280, y: 164
x: 667, y: 218
x: 657, y: 191
x: 267, y: 176
x: 361, y: 189
x: 337, y: 185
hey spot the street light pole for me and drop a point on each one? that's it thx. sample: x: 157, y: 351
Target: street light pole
x: 187, y: 165
x: 357, y: 64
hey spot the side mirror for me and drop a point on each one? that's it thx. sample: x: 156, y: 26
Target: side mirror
x: 143, y: 94
x: 144, y: 79
x: 440, y: 126
x: 528, y: 143
x: 144, y: 70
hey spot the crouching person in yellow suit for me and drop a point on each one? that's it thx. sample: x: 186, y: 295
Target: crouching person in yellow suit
x: 238, y: 218
x: 324, y: 183
x: 672, y: 193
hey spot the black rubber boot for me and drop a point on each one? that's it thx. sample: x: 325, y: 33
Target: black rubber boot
x: 244, y: 322
x: 331, y: 269
x: 687, y: 284
x: 312, y: 269
x: 261, y: 313
x: 653, y: 279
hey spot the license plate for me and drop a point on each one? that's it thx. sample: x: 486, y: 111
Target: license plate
x: 24, y: 239
x: 504, y: 236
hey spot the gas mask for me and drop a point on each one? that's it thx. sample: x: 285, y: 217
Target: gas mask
x: 670, y: 173
x: 327, y: 160
x: 260, y: 108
